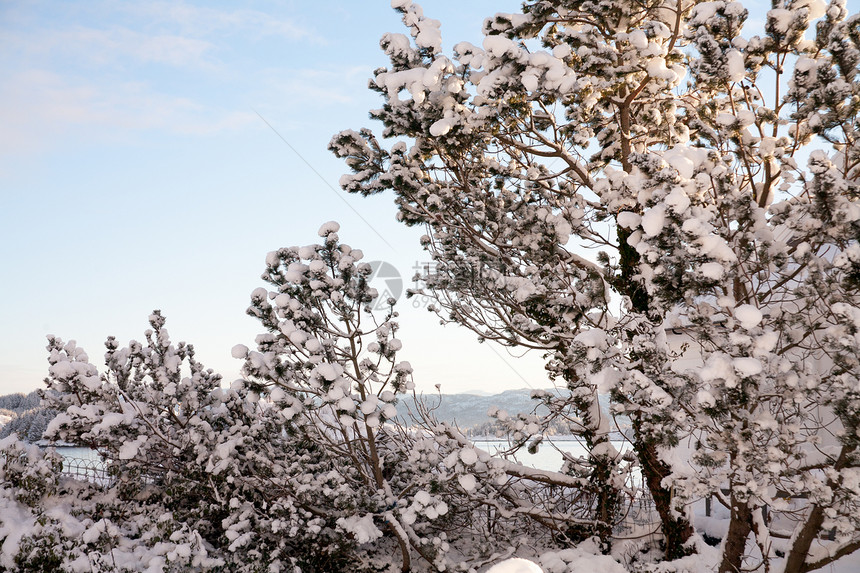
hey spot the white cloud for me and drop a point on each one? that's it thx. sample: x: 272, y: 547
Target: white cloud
x: 199, y: 20
x: 111, y: 68
x: 165, y: 49
x: 175, y: 34
x: 115, y: 46
x: 38, y: 107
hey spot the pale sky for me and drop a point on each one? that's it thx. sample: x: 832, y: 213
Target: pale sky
x: 135, y: 173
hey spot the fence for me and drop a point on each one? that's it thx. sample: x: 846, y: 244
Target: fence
x: 95, y: 471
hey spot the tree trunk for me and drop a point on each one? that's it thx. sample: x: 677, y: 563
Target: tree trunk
x: 608, y: 500
x: 608, y: 496
x: 677, y: 529
x: 795, y: 562
x: 740, y: 527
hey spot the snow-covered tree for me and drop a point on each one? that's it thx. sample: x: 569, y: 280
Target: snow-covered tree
x: 328, y: 364
x: 667, y: 207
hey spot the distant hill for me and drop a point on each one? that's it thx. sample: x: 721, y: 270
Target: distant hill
x: 469, y: 411
x: 24, y: 415
x: 19, y: 402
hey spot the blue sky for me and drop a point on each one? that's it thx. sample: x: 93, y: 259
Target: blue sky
x: 136, y: 174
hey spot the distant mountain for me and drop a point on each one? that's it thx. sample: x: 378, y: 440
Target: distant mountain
x: 469, y: 411
x: 23, y: 414
x: 474, y: 392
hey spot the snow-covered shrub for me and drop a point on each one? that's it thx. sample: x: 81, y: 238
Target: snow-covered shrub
x: 192, y: 460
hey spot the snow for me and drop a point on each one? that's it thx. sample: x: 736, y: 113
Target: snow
x: 523, y: 288
x: 497, y: 45
x: 240, y: 351
x: 638, y: 39
x: 442, y: 126
x: 467, y: 482
x: 781, y: 19
x: 746, y: 366
x: 561, y: 51
x: 592, y: 338
x: 330, y: 371
x: 430, y: 35
x: 628, y: 219
x: 129, y: 449
x: 748, y: 316
x: 369, y: 406
x: 657, y: 69
x: 736, y: 65
x: 726, y: 119
x: 654, y: 220
x: 805, y: 64
x: 404, y: 366
x: 62, y: 370
x: 703, y: 12
x: 678, y: 200
x: 717, y: 367
x: 389, y: 411
x: 362, y: 528
x: 705, y: 398
x: 108, y: 420
x: 468, y: 456
x: 713, y: 271
x: 766, y: 342
x: 745, y: 117
x: 585, y: 557
x: 530, y: 82
x: 605, y: 380
x: 716, y: 247
x: 516, y: 565
x: 817, y: 8
x: 16, y: 524
x: 346, y: 404
x: 328, y: 228
x: 685, y: 159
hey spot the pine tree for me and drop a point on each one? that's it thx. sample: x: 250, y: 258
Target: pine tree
x: 660, y: 135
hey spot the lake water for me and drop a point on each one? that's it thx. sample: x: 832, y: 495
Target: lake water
x: 549, y: 456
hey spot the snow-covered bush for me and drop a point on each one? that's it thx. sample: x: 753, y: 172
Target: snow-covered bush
x: 51, y: 523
